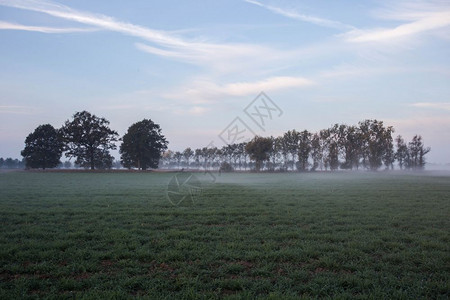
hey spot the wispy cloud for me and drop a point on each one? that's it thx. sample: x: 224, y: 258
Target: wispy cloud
x: 119, y: 107
x: 269, y: 84
x: 14, y: 26
x: 204, y: 91
x: 344, y: 71
x: 17, y: 110
x: 433, y: 105
x: 194, y: 111
x: 360, y: 70
x: 222, y: 57
x: 420, y: 18
x: 293, y: 14
x: 219, y: 58
x: 166, y: 44
x: 98, y: 20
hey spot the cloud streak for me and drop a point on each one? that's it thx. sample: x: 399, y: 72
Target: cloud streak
x: 14, y: 26
x: 420, y: 19
x: 433, y: 105
x: 165, y: 44
x: 222, y: 57
x: 205, y: 91
x: 17, y: 110
x: 269, y: 84
x: 292, y: 14
x: 98, y: 20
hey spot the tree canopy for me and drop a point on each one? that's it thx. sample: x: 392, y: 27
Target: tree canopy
x: 368, y: 145
x: 88, y: 138
x: 258, y: 149
x: 415, y: 156
x: 142, y: 146
x: 43, y: 148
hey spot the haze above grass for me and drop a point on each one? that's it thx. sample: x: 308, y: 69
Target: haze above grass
x: 97, y: 235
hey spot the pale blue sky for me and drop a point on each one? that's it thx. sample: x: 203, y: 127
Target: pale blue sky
x: 193, y: 66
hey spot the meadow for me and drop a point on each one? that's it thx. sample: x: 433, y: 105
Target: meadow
x: 246, y: 236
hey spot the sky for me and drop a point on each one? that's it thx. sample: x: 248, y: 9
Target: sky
x: 197, y: 68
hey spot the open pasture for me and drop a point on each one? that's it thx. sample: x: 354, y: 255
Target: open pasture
x: 116, y: 235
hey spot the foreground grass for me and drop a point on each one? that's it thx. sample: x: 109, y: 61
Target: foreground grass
x: 115, y: 235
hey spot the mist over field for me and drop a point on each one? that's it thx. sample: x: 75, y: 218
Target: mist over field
x: 264, y: 235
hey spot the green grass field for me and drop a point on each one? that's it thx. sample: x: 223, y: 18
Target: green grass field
x: 247, y: 236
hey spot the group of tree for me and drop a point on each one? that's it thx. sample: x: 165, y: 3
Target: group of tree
x: 88, y: 139
x: 368, y: 145
x: 11, y: 163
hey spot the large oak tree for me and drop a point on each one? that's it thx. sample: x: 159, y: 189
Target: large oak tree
x: 88, y: 138
x: 43, y: 147
x: 142, y: 145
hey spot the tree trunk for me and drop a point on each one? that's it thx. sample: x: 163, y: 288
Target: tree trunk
x: 258, y: 165
x: 92, y: 160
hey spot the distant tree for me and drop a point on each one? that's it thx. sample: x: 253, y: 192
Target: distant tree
x: 167, y: 158
x: 226, y: 167
x: 242, y: 155
x: 210, y: 155
x: 304, y: 148
x: 324, y: 137
x: 377, y: 143
x: 291, y: 140
x: 417, y: 152
x: 369, y: 144
x: 258, y: 149
x: 205, y: 157
x: 2, y: 162
x: 316, y: 151
x: 402, y: 153
x: 21, y: 163
x: 227, y: 152
x: 188, y: 154
x: 364, y: 129
x: 43, y: 148
x: 178, y: 156
x: 198, y: 157
x: 274, y: 153
x: 236, y: 155
x: 282, y: 147
x: 388, y: 144
x: 89, y: 139
x: 349, y: 143
x: 333, y: 156
x: 142, y: 146
x: 331, y: 147
x: 67, y: 164
x: 214, y: 154
x: 9, y: 163
x: 217, y: 158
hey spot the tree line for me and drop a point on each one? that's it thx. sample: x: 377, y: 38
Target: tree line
x: 14, y: 163
x: 11, y: 163
x: 368, y: 145
x: 88, y: 139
